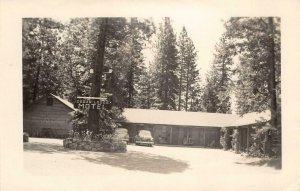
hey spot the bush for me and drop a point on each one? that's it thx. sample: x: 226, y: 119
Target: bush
x: 225, y: 139
x: 107, y: 122
x: 115, y: 144
x: 107, y: 143
x: 258, y: 141
x: 256, y: 148
x: 236, y: 141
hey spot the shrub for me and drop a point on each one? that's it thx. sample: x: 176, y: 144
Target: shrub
x: 236, y: 141
x: 225, y: 138
x: 258, y: 141
x: 107, y: 144
x: 107, y: 122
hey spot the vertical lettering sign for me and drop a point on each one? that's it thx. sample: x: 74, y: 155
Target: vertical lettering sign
x: 91, y: 103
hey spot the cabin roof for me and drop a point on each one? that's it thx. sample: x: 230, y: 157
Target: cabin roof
x: 182, y: 118
x: 65, y: 102
x: 201, y: 119
x: 253, y: 118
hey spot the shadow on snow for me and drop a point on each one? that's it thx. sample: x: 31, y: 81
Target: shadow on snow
x: 274, y: 163
x: 131, y: 160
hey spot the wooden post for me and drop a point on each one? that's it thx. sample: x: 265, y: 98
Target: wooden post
x: 93, y: 117
x: 171, y: 135
x: 204, y: 132
x: 240, y: 139
x: 248, y: 137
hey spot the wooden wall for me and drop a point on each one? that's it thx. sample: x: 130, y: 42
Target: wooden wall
x: 175, y: 135
x: 43, y: 120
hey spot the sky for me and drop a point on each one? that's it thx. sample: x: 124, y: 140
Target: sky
x: 205, y: 33
x: 204, y: 30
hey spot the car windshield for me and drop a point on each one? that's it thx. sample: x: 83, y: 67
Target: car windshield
x: 145, y: 133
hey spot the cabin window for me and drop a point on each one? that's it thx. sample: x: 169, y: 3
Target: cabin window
x: 49, y: 101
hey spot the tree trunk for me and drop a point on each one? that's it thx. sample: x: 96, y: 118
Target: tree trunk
x: 36, y: 82
x: 271, y: 86
x: 223, y: 72
x: 131, y: 69
x: 166, y: 101
x: 149, y: 94
x: 272, y: 80
x: 180, y: 88
x: 187, y: 89
x: 93, y: 118
x: 130, y: 87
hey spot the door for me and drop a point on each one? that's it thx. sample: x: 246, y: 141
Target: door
x: 175, y: 136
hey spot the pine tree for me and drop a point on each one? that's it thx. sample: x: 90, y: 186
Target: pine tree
x: 166, y: 67
x: 209, y: 97
x: 41, y: 53
x: 257, y: 44
x: 77, y: 57
x: 146, y: 91
x: 189, y: 87
x: 139, y: 31
x: 127, y: 37
x: 220, y: 78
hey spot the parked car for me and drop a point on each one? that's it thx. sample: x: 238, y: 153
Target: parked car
x: 121, y: 133
x: 144, y: 137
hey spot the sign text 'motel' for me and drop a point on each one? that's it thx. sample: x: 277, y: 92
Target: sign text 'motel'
x: 91, y: 103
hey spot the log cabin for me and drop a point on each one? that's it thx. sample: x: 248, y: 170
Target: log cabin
x: 49, y: 116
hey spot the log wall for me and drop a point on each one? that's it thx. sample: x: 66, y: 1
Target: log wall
x: 44, y: 120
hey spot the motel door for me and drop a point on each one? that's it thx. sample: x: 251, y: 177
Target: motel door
x: 202, y: 136
x: 187, y: 139
x: 175, y: 136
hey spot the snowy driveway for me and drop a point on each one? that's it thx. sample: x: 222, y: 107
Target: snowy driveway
x: 151, y: 168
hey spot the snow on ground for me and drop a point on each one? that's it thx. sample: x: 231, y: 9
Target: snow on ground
x: 147, y: 168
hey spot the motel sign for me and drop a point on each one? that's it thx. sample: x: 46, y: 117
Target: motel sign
x: 92, y: 103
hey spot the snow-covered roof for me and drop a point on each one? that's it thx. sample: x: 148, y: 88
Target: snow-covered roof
x: 200, y: 119
x: 65, y: 102
x: 253, y: 118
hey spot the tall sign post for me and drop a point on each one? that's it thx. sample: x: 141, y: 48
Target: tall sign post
x: 93, y: 116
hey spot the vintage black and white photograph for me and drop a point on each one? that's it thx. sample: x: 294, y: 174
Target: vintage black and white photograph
x: 147, y: 95
x: 153, y: 97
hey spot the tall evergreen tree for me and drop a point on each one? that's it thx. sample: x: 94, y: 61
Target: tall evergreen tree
x: 146, y: 91
x: 139, y: 31
x: 219, y: 80
x: 209, y: 97
x: 189, y: 87
x: 77, y: 59
x: 41, y: 53
x: 166, y: 67
x: 257, y: 43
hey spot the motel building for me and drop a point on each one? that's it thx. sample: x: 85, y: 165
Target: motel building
x: 51, y: 115
x: 191, y: 128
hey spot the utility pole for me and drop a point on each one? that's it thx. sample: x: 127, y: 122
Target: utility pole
x: 93, y: 117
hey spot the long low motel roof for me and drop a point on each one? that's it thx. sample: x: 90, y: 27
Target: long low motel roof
x: 200, y: 119
x: 182, y: 118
